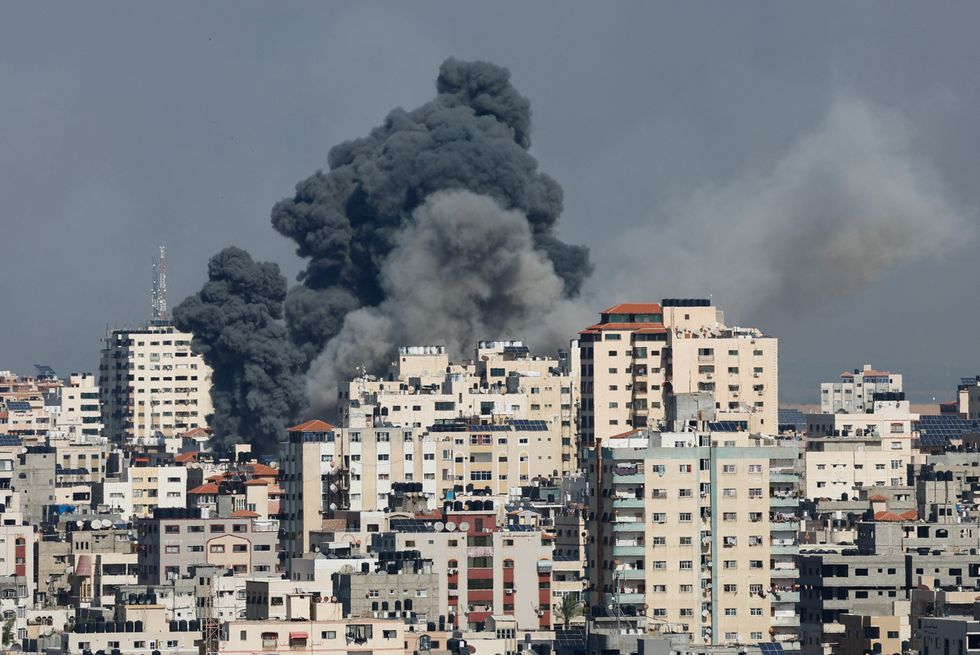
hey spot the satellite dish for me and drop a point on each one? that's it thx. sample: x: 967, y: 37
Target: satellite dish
x: 79, y: 524
x: 439, y: 526
x: 346, y: 568
x: 450, y: 526
x: 464, y: 526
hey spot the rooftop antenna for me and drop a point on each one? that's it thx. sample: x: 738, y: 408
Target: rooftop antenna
x: 158, y: 298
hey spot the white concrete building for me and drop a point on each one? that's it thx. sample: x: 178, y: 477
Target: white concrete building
x: 153, y: 386
x: 855, y: 392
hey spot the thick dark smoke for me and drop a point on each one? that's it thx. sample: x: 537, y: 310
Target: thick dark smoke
x: 257, y: 382
x: 473, y: 136
x: 463, y: 270
x: 437, y: 227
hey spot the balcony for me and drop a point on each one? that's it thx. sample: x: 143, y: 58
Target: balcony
x: 784, y: 477
x: 628, y: 526
x: 785, y: 597
x: 786, y: 571
x: 784, y: 501
x: 784, y: 523
x: 625, y: 599
x: 629, y: 551
x: 629, y: 574
x: 784, y: 546
x: 627, y: 503
x: 791, y: 620
x: 628, y: 478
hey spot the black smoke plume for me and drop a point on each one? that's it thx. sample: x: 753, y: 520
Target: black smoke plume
x: 437, y: 226
x: 473, y: 136
x: 257, y: 385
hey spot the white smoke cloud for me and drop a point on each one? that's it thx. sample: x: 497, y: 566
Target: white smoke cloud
x: 847, y: 203
x: 464, y: 270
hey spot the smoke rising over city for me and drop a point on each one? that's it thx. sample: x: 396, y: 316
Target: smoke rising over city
x: 236, y: 322
x: 843, y: 206
x: 436, y: 226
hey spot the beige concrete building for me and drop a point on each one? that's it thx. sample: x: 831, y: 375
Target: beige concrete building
x: 141, y: 489
x: 968, y: 397
x: 306, y: 477
x: 484, y: 569
x: 504, y: 382
x: 152, y: 385
x: 313, y: 625
x: 855, y: 392
x: 886, y: 633
x: 640, y: 357
x: 845, y: 465
x: 695, y: 535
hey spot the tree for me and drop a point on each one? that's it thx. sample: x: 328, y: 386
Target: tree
x: 569, y: 608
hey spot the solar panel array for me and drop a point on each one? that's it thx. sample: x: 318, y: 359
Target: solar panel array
x: 411, y: 525
x: 931, y: 441
x: 725, y: 426
x: 19, y: 406
x: 570, y: 640
x: 792, y: 417
x: 465, y: 427
x: 530, y: 426
x: 950, y: 427
x: 772, y: 648
x: 9, y: 440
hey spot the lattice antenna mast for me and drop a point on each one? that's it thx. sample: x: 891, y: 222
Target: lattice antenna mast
x: 159, y: 293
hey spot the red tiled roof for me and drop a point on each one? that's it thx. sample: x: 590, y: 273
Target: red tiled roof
x: 208, y: 488
x: 195, y: 433
x: 634, y: 327
x: 890, y: 517
x: 634, y: 308
x: 877, y: 498
x: 312, y: 426
x: 244, y: 514
x: 624, y: 435
x: 183, y: 458
x: 910, y: 515
x: 256, y: 482
x: 261, y: 470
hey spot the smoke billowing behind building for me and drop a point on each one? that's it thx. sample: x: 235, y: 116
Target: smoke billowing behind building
x: 437, y: 226
x: 236, y: 321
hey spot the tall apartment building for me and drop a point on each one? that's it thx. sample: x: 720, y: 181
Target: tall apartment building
x: 697, y: 533
x: 305, y: 476
x: 857, y: 390
x: 152, y: 384
x: 504, y: 382
x: 643, y: 362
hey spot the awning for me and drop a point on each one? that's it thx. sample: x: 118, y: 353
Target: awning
x: 299, y: 635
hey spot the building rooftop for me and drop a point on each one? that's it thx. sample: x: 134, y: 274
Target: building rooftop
x: 312, y: 426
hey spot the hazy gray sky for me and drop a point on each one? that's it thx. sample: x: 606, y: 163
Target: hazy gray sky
x: 756, y: 130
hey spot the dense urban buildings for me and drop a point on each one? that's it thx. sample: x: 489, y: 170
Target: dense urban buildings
x: 639, y: 492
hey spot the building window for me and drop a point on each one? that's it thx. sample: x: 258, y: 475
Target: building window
x: 217, y: 548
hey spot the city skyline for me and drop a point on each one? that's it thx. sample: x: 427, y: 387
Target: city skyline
x: 196, y: 148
